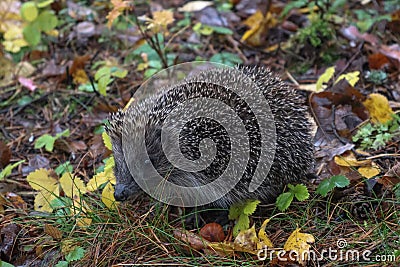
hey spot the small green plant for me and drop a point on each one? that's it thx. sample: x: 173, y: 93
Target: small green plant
x: 8, y: 169
x: 329, y: 184
x: 299, y: 191
x: 63, y: 168
x: 47, y: 141
x: 76, y: 254
x: 39, y: 18
x: 226, y: 58
x: 375, y: 136
x: 241, y: 212
x: 376, y: 76
x: 106, y: 74
x: 317, y: 32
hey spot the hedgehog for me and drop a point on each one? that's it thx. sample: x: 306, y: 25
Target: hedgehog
x: 291, y: 160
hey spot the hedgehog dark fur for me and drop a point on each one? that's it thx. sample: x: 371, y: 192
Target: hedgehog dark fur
x: 294, y: 151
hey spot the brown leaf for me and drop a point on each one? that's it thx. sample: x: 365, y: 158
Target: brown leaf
x: 392, y: 177
x: 5, y: 155
x: 212, y: 232
x: 52, y: 231
x: 378, y: 61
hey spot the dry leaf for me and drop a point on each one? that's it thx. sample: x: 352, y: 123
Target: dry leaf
x: 369, y: 171
x: 379, y: 108
x: 300, y: 243
x: 119, y: 6
x: 195, y: 6
x: 350, y: 160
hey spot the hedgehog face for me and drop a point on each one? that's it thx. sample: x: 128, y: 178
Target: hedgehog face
x: 125, y: 184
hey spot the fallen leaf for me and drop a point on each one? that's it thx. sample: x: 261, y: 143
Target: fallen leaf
x: 195, y: 6
x: 324, y: 78
x: 300, y: 243
x: 73, y: 186
x: 349, y: 160
x: 369, y: 171
x: 378, y: 108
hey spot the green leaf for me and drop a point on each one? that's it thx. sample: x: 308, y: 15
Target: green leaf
x: 102, y: 83
x: 324, y: 187
x: 284, y: 200
x: 119, y: 73
x: 29, y: 11
x: 46, y: 141
x: 340, y: 181
x: 221, y: 30
x: 5, y: 264
x: 62, y: 264
x: 64, y: 167
x: 328, y: 184
x: 47, y: 21
x: 8, y: 169
x: 44, y: 3
x: 250, y: 206
x: 226, y: 58
x: 64, y: 133
x: 300, y: 191
x: 75, y: 255
x: 32, y: 35
x: 243, y: 223
x: 102, y: 72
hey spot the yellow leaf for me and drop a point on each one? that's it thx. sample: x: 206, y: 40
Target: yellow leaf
x: 259, y: 26
x: 350, y: 161
x: 378, y: 108
x: 118, y: 7
x: 107, y: 196
x: 106, y: 140
x: 72, y: 186
x: 299, y: 242
x: 161, y: 19
x: 247, y: 239
x: 351, y: 77
x: 45, y: 197
x: 80, y: 76
x: 262, y: 236
x: 41, y: 180
x: 96, y: 181
x: 369, y: 171
x: 324, y: 78
x: 80, y: 209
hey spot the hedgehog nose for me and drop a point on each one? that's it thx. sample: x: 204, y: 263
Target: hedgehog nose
x: 120, y: 193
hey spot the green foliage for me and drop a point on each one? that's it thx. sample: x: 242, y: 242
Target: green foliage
x: 47, y: 141
x: 203, y: 29
x: 64, y: 167
x: 299, y: 191
x: 8, y: 169
x: 40, y: 18
x: 226, y: 58
x: 376, y: 76
x: 365, y: 19
x: 316, y: 33
x: 105, y: 75
x: 5, y: 264
x: 377, y: 135
x: 241, y: 212
x: 329, y: 184
x: 76, y: 254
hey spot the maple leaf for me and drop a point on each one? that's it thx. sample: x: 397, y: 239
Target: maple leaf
x: 119, y: 7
